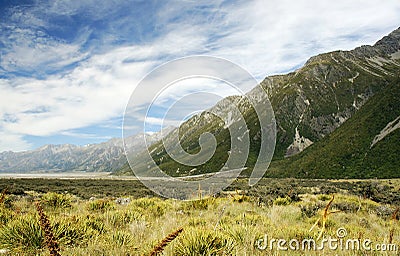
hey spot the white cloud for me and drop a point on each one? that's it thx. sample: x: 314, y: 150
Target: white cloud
x: 264, y: 37
x: 14, y: 142
x: 84, y: 135
x: 194, y: 86
x: 273, y: 36
x: 90, y: 94
x: 34, y: 51
x: 93, y: 93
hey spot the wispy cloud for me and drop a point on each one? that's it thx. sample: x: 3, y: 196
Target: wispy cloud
x: 67, y: 65
x: 85, y: 135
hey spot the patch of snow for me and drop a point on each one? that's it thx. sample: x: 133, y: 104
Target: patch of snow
x: 389, y: 128
x: 307, y: 102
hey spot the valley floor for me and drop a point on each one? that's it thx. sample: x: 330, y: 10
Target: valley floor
x: 276, y: 217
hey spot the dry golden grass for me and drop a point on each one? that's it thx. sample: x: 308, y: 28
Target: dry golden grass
x: 213, y: 226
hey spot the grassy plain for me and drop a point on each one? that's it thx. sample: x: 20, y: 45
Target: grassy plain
x: 86, y: 219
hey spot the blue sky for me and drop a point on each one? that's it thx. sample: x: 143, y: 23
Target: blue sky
x: 67, y: 68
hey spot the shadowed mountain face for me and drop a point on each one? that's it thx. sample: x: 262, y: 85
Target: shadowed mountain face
x: 310, y: 104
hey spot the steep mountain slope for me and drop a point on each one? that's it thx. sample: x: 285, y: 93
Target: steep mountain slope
x: 316, y: 99
x: 104, y: 157
x: 365, y: 146
x: 309, y: 104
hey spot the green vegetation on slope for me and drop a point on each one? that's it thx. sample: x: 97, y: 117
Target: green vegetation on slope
x: 309, y: 104
x: 347, y: 152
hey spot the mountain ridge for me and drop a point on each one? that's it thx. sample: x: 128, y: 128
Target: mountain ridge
x: 309, y: 103
x: 102, y: 157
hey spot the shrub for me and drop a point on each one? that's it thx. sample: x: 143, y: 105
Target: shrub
x: 310, y: 210
x: 328, y: 189
x: 282, y: 201
x: 23, y: 233
x: 347, y: 206
x: 324, y: 197
x: 71, y: 233
x: 203, y: 242
x: 121, y: 238
x: 199, y: 204
x: 150, y: 206
x: 55, y: 200
x: 95, y: 223
x: 8, y: 201
x: 384, y: 211
x: 101, y: 205
x: 5, y: 215
x: 121, y: 218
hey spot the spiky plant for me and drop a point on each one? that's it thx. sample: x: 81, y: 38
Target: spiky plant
x: 204, y: 243
x: 159, y: 248
x: 22, y: 233
x: 50, y: 240
x: 56, y: 200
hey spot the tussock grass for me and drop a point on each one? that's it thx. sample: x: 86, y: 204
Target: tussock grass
x: 101, y: 205
x: 22, y: 234
x: 56, y: 200
x: 204, y: 243
x: 226, y: 225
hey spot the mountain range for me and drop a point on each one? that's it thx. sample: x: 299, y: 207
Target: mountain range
x: 103, y: 157
x: 337, y: 117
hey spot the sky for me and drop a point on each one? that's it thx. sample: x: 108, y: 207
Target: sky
x: 68, y: 68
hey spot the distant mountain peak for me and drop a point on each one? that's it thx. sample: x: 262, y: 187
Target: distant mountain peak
x: 106, y: 156
x: 390, y: 43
